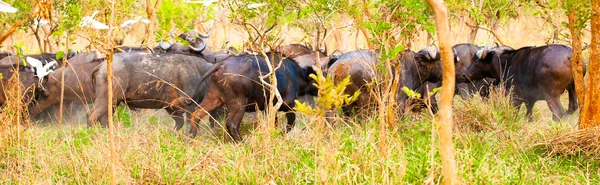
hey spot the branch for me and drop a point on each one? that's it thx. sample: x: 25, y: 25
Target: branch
x: 486, y: 29
x: 10, y: 31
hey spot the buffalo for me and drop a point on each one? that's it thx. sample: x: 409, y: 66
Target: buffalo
x: 151, y: 81
x: 361, y: 66
x: 418, y: 69
x: 534, y: 73
x: 5, y: 54
x: 234, y: 82
x: 77, y: 86
x: 27, y: 80
x: 463, y: 58
x: 45, y: 57
x: 303, y: 55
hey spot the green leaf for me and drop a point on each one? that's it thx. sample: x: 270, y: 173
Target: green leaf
x: 60, y: 55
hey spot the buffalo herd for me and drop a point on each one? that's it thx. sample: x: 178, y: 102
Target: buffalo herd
x: 189, y: 80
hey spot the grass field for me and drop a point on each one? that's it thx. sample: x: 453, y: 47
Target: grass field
x: 494, y: 145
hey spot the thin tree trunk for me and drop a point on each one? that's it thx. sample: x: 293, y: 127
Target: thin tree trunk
x: 449, y: 169
x: 109, y: 81
x: 151, y: 11
x: 590, y: 114
x: 62, y: 85
x: 474, y: 28
x: 575, y: 61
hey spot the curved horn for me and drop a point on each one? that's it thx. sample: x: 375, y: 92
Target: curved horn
x: 481, y: 53
x: 201, y: 48
x: 433, y: 54
x: 336, y: 51
x: 203, y: 35
x: 455, y: 54
x: 497, y: 44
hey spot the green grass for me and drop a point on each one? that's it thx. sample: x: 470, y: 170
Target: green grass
x: 493, y: 145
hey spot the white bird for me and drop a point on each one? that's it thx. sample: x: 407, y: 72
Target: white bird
x: 5, y: 7
x: 129, y: 23
x: 40, y: 69
x: 256, y: 5
x: 89, y: 21
x: 204, y: 2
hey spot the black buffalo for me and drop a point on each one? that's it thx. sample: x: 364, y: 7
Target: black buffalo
x: 234, y: 82
x: 44, y: 57
x: 303, y: 55
x: 77, y: 86
x: 534, y: 73
x: 418, y: 69
x: 463, y: 58
x: 361, y: 66
x: 5, y: 54
x: 151, y: 81
x: 27, y: 80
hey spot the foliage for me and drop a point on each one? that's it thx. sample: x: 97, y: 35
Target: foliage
x: 581, y: 9
x: 262, y: 20
x: 178, y: 16
x: 485, y: 12
x: 393, y: 23
x: 321, y: 18
x: 331, y: 96
x: 24, y: 13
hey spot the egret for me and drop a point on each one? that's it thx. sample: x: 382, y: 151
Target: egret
x: 129, y: 23
x: 89, y: 21
x: 5, y: 7
x: 40, y: 69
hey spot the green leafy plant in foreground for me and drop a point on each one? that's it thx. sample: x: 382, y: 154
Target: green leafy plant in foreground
x: 331, y: 96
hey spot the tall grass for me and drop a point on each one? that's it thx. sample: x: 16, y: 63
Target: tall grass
x: 493, y: 146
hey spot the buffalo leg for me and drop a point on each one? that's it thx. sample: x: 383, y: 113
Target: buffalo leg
x: 178, y: 117
x: 573, y: 104
x: 100, y: 109
x: 236, y: 114
x: 215, y: 115
x: 208, y: 104
x: 529, y: 105
x: 291, y: 118
x: 464, y: 90
x: 517, y: 102
x: 556, y: 108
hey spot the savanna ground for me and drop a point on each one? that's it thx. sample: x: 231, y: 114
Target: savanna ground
x: 494, y: 144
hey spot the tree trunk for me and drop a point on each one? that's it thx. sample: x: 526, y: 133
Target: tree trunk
x: 473, y: 33
x: 590, y: 114
x: 151, y: 11
x: 445, y: 112
x: 575, y: 61
x: 111, y: 127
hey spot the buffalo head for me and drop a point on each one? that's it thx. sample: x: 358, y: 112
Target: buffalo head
x: 486, y: 63
x: 195, y: 39
x: 430, y: 66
